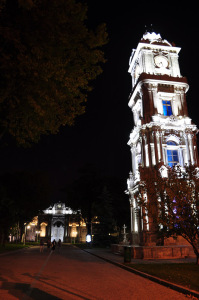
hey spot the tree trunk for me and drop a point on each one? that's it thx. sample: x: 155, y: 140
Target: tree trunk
x: 2, y: 238
x: 196, y: 251
x: 197, y: 258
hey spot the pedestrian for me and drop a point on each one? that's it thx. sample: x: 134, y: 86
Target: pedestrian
x: 53, y: 245
x: 59, y: 244
x: 41, y: 245
x: 48, y: 244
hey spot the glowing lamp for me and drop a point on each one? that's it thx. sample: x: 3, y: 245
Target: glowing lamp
x: 88, y: 238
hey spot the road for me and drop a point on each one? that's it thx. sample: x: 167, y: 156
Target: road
x: 72, y: 274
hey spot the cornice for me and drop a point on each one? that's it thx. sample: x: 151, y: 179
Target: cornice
x: 155, y: 80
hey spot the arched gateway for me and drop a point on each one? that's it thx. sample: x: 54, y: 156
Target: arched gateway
x: 58, y: 222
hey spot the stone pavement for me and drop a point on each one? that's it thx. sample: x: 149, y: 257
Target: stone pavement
x: 91, y: 274
x: 118, y: 260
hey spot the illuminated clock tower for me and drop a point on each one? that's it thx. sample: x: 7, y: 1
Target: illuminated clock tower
x: 163, y: 132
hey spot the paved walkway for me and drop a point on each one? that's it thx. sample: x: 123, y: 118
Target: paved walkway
x: 118, y: 260
x: 75, y: 274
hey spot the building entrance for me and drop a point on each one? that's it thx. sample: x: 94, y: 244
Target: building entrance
x: 57, y: 231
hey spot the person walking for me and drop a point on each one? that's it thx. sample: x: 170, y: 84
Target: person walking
x: 59, y: 245
x: 53, y: 245
x: 48, y: 244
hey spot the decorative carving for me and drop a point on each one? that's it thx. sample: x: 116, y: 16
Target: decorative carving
x: 172, y: 119
x: 165, y: 88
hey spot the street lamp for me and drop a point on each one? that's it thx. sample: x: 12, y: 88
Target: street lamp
x: 88, y: 238
x: 37, y: 232
x: 24, y: 235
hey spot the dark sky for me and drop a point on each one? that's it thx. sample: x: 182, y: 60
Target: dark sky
x: 100, y: 136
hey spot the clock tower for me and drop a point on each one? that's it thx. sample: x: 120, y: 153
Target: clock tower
x: 163, y: 132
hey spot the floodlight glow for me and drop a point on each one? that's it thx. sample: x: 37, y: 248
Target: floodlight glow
x: 88, y: 238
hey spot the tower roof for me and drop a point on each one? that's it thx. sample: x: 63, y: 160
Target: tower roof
x: 154, y: 38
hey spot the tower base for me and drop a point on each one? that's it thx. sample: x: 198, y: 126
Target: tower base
x: 156, y: 252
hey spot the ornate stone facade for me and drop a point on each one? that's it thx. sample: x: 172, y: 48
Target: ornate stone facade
x: 163, y: 131
x: 57, y: 222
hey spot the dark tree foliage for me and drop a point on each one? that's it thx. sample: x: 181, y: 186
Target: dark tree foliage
x: 99, y: 196
x: 22, y: 196
x: 7, y: 214
x: 173, y: 202
x: 120, y: 203
x: 82, y: 193
x: 48, y: 60
x: 102, y: 208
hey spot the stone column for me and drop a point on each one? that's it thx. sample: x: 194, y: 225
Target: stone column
x: 151, y: 101
x: 160, y: 145
x: 187, y: 148
x: 195, y: 150
x: 181, y: 160
x: 143, y: 150
x: 155, y: 99
x: 155, y: 146
x: 175, y: 65
x: 190, y: 136
x: 149, y: 148
x: 179, y: 100
x: 131, y: 212
x: 133, y: 159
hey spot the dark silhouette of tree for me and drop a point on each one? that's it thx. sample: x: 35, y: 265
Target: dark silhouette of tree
x: 173, y: 202
x: 120, y: 204
x: 82, y: 193
x: 48, y: 61
x: 22, y: 196
x: 102, y: 208
x: 97, y: 195
x: 7, y: 214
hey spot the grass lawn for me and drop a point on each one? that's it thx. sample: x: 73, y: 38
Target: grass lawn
x: 184, y: 274
x: 11, y: 247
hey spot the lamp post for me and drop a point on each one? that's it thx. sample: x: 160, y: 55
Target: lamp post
x: 24, y: 238
x: 37, y: 232
x: 124, y: 234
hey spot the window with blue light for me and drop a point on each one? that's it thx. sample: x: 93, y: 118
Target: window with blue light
x: 167, y: 110
x: 172, y: 154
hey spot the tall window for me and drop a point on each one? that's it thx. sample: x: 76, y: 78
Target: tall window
x: 167, y: 110
x: 172, y: 154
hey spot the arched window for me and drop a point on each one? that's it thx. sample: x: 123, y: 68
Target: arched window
x: 172, y: 153
x: 43, y: 229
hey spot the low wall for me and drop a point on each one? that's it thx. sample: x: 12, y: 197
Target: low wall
x: 155, y: 252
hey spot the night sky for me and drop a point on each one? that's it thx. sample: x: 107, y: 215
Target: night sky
x: 100, y: 136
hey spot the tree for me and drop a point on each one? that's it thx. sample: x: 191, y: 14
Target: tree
x: 48, y: 61
x: 102, y: 208
x: 98, y: 195
x: 82, y: 193
x: 22, y: 196
x: 7, y: 214
x: 173, y: 202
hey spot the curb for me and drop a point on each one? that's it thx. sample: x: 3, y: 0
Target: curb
x: 170, y: 285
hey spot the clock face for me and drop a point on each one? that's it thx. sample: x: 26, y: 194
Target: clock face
x: 161, y: 61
